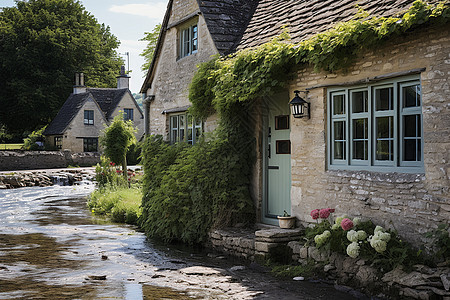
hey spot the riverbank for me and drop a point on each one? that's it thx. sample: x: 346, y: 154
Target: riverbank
x: 45, y: 177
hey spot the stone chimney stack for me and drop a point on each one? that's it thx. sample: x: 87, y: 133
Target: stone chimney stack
x: 123, y: 80
x: 79, y: 86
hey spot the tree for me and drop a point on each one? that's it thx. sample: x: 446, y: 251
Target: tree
x: 116, y: 140
x: 152, y: 39
x: 42, y: 44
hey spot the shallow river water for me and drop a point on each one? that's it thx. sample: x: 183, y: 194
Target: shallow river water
x: 51, y: 247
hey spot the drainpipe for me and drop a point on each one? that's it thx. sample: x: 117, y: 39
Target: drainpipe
x: 146, y: 103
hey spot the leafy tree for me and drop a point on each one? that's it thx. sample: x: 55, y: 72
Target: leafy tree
x: 152, y: 39
x: 116, y: 140
x: 4, y: 135
x: 31, y: 142
x: 42, y: 44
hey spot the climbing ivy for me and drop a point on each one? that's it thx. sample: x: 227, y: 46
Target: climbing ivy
x: 246, y: 74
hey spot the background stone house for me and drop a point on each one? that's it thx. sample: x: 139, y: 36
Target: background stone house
x: 87, y: 111
x: 377, y: 143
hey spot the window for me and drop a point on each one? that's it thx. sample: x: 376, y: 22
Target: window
x: 183, y: 127
x: 188, y: 41
x: 90, y: 144
x: 58, y: 142
x: 376, y: 127
x: 88, y: 117
x: 128, y: 114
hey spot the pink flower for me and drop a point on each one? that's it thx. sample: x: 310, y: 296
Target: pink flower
x: 332, y: 210
x: 315, y: 214
x: 346, y: 224
x: 324, y: 213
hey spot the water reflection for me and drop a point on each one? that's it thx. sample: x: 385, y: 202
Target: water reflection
x: 51, y: 247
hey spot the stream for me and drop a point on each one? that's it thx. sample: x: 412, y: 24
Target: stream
x: 51, y: 247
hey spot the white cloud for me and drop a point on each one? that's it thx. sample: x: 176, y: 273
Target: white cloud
x: 150, y: 10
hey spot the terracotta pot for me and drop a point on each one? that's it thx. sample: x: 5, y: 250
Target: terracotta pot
x: 286, y: 222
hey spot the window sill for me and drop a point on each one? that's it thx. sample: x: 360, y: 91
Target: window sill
x: 379, y: 169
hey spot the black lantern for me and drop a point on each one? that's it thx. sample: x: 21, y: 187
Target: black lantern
x: 300, y: 108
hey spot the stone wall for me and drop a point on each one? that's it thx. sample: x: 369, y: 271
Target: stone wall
x: 421, y: 283
x: 411, y: 203
x: 172, y: 75
x: 30, y: 160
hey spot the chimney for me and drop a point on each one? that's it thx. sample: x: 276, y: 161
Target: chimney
x: 123, y: 80
x: 79, y: 87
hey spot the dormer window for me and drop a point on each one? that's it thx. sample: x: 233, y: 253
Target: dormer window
x: 188, y: 40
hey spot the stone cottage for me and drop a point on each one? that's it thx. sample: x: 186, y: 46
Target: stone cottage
x: 87, y: 111
x: 377, y: 141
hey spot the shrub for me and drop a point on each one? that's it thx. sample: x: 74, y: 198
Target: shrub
x: 121, y: 204
x: 190, y: 189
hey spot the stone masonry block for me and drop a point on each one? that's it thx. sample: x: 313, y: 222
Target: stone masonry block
x: 264, y: 247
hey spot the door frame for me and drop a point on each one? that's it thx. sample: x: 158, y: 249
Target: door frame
x: 267, y: 218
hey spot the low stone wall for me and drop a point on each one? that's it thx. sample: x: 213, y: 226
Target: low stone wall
x: 283, y: 245
x: 422, y: 283
x: 31, y: 160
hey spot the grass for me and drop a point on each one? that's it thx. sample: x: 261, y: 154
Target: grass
x: 10, y: 146
x: 121, y: 204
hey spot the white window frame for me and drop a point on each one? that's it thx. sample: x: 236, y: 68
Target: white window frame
x: 396, y: 117
x: 180, y: 126
x: 188, y: 40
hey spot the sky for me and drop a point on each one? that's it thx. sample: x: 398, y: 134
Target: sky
x: 128, y: 20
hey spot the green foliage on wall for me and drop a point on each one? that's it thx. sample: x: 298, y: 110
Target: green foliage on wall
x: 250, y: 73
x: 190, y: 189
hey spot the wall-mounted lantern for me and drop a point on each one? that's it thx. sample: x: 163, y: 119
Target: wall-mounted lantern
x: 300, y: 108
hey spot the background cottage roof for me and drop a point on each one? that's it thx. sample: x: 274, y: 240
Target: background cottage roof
x: 106, y: 98
x: 66, y: 114
x: 308, y: 17
x: 226, y: 21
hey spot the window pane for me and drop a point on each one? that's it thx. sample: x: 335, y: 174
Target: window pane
x: 360, y: 139
x: 338, y: 105
x: 360, y: 150
x: 173, y: 136
x: 384, y: 138
x: 174, y: 122
x: 339, y: 150
x: 410, y: 126
x: 360, y: 129
x: 384, y: 150
x: 383, y: 99
x: 411, y: 96
x: 339, y: 140
x: 194, y: 38
x: 339, y: 133
x: 410, y: 148
x: 359, y: 102
x: 190, y: 141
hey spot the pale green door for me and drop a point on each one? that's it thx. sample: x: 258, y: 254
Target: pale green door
x: 278, y: 160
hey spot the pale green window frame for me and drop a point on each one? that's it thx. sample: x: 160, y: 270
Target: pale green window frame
x: 185, y: 128
x: 383, y: 132
x: 188, y: 40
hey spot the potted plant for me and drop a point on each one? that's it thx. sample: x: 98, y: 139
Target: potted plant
x: 286, y: 221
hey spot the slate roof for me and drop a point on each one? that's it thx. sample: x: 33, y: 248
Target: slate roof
x: 308, y: 17
x: 226, y: 21
x: 106, y: 98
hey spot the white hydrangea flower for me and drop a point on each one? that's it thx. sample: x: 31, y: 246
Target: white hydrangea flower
x: 352, y: 236
x: 378, y: 244
x: 356, y: 221
x: 378, y: 229
x: 353, y: 250
x: 335, y: 227
x: 321, y: 239
x: 362, y: 235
